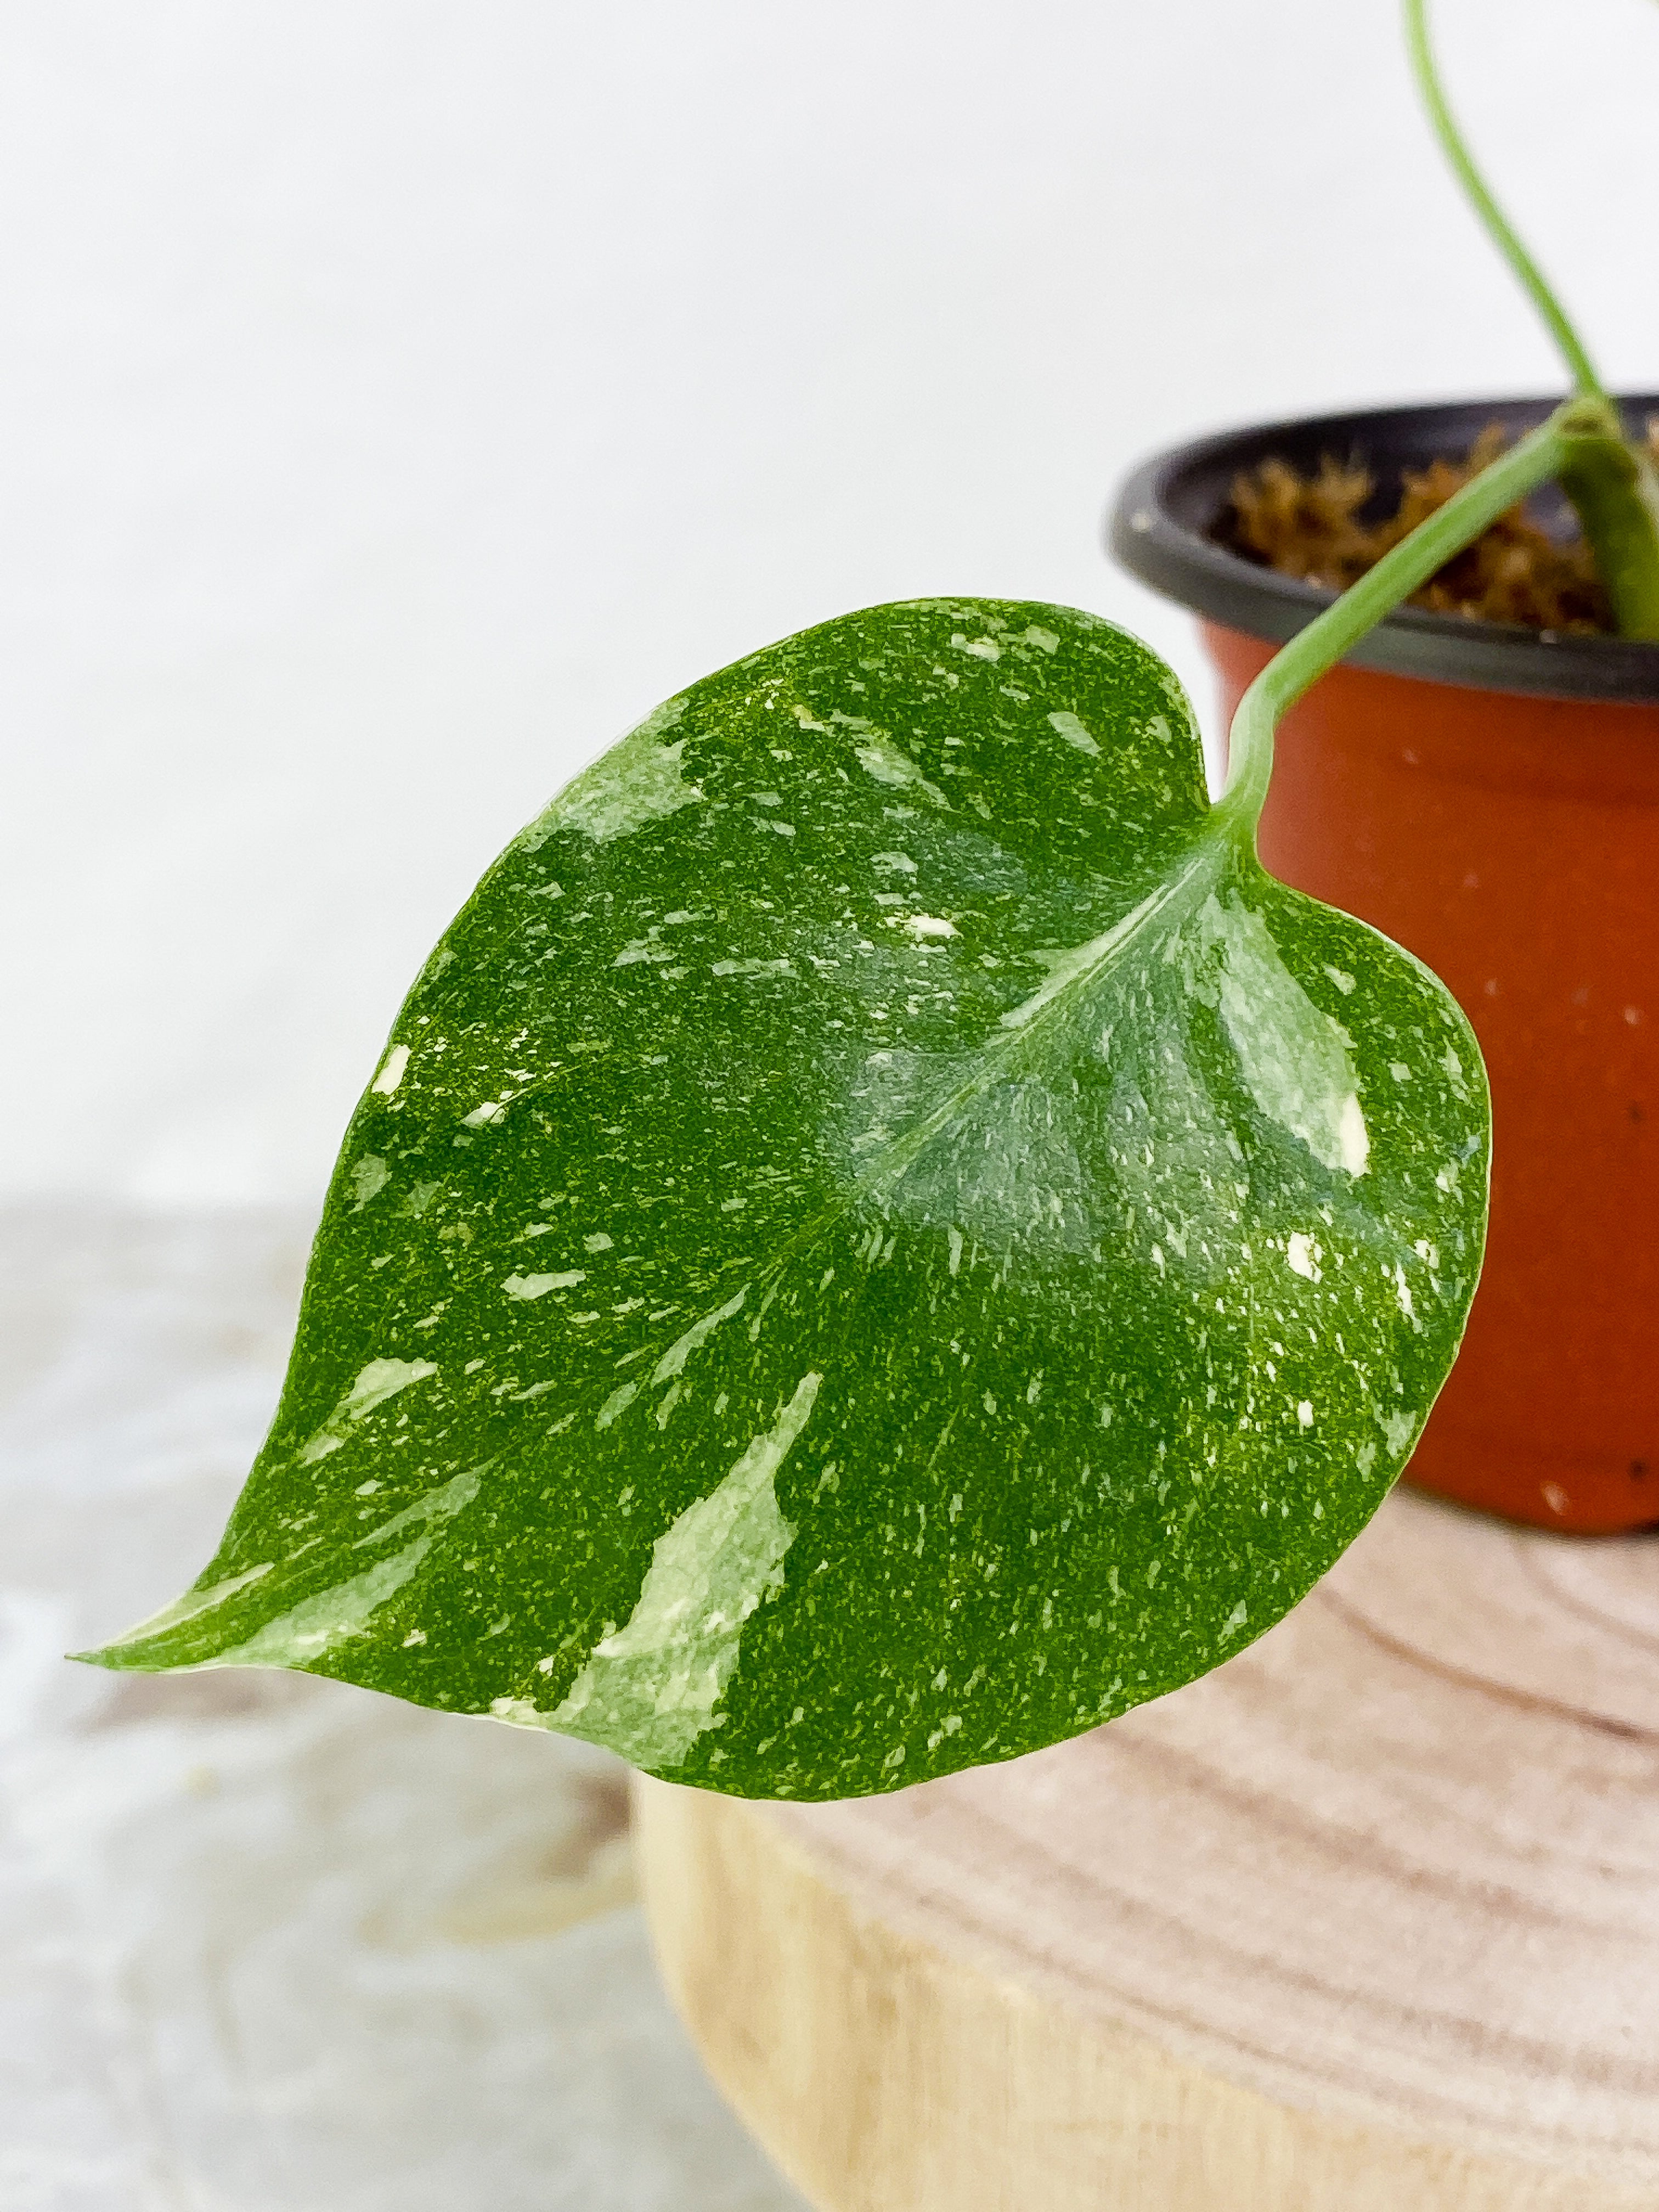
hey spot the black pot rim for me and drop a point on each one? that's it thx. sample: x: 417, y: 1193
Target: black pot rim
x: 1158, y: 530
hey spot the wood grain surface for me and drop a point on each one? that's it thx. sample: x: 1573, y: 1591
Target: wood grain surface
x: 1369, y: 1919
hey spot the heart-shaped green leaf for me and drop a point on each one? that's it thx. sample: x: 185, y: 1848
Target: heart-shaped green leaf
x: 882, y: 1239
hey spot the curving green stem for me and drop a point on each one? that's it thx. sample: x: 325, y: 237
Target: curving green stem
x: 1611, y: 484
x: 1550, y: 449
x: 1498, y: 227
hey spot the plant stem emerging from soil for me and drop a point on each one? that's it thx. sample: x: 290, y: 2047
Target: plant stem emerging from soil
x: 1612, y: 484
x: 1552, y: 450
x: 1615, y: 488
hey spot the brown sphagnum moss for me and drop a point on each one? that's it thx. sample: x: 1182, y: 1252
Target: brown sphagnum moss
x: 1315, y: 526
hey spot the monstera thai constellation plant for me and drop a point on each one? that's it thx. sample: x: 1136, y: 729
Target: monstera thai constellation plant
x: 881, y: 1236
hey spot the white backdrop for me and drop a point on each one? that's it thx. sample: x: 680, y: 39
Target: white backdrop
x: 402, y: 396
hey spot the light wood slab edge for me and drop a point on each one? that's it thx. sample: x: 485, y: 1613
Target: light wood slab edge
x: 884, y: 2076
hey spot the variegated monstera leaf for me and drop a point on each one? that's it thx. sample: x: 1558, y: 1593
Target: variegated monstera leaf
x: 881, y: 1238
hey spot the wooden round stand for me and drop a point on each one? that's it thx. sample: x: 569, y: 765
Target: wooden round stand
x: 1368, y: 1921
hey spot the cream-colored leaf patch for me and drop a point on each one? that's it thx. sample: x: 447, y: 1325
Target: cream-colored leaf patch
x: 650, y: 1690
x: 368, y: 1175
x: 673, y: 1360
x: 189, y: 1606
x: 640, y: 780
x: 316, y: 1626
x: 311, y: 1629
x: 392, y: 1074
x: 1070, y: 727
x: 885, y: 762
x: 1293, y: 1058
x: 525, y: 1287
x: 381, y: 1380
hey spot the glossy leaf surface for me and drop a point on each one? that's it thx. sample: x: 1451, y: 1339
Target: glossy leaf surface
x: 881, y: 1238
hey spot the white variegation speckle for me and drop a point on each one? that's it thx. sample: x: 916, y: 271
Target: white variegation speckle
x: 1293, y: 1058
x: 517, y: 1712
x: 639, y: 781
x: 187, y: 1607
x: 537, y: 1286
x: 1397, y: 1429
x: 368, y: 1175
x: 317, y: 1625
x: 392, y: 1074
x: 1301, y: 1255
x: 617, y: 1402
x: 673, y: 1360
x: 648, y: 948
x: 1071, y: 728
x: 882, y: 760
x: 381, y: 1380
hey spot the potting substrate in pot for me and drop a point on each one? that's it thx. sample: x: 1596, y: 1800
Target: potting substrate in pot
x: 1369, y: 1917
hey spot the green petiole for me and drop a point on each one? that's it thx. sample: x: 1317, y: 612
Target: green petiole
x: 1611, y: 484
x: 1571, y: 441
x: 1614, y: 487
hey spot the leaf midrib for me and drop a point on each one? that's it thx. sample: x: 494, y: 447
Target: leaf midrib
x: 1001, y: 1048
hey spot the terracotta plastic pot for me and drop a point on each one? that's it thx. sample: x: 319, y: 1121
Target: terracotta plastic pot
x: 1491, y: 800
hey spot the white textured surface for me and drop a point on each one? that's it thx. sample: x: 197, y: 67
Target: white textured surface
x: 401, y: 398
x: 270, y: 1944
